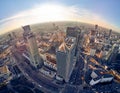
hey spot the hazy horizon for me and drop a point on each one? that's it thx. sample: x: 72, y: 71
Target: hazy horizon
x: 17, y: 13
x: 59, y: 23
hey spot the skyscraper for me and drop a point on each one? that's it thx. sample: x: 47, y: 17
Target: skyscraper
x: 110, y: 32
x: 96, y: 29
x: 35, y: 58
x: 12, y: 38
x: 73, y: 31
x: 96, y: 26
x: 27, y: 30
x: 65, y: 56
x: 77, y: 33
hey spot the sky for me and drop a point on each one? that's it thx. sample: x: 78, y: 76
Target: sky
x: 16, y: 13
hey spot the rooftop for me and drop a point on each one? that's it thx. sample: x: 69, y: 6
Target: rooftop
x: 67, y: 44
x: 70, y: 41
x: 3, y: 69
x: 50, y: 58
x: 63, y: 47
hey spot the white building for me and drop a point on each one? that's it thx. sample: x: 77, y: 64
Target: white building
x: 106, y: 78
x: 95, y: 81
x: 99, y: 77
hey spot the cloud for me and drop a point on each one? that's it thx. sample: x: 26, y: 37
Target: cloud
x: 51, y: 12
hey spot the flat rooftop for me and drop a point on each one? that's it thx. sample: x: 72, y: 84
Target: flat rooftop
x: 67, y: 44
x: 70, y: 41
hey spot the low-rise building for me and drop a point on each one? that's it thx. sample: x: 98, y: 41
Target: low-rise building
x: 99, y: 76
x: 4, y: 74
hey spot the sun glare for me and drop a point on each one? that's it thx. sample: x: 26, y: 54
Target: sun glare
x: 49, y: 13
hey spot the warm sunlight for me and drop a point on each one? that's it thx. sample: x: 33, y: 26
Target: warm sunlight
x: 51, y: 12
x: 59, y: 46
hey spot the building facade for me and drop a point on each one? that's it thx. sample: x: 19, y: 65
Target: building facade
x: 65, y: 61
x: 35, y: 58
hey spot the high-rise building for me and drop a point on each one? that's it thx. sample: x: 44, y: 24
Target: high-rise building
x: 110, y: 31
x: 14, y: 35
x: 35, y: 58
x: 27, y: 30
x: 86, y: 40
x: 78, y: 41
x: 65, y: 57
x: 96, y: 26
x: 96, y: 29
x: 12, y: 38
x: 78, y: 34
x: 72, y: 31
x: 82, y: 40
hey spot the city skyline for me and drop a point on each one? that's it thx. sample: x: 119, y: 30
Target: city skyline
x: 18, y: 13
x: 56, y: 61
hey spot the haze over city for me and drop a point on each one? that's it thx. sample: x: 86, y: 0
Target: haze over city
x: 59, y: 46
x: 17, y: 13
